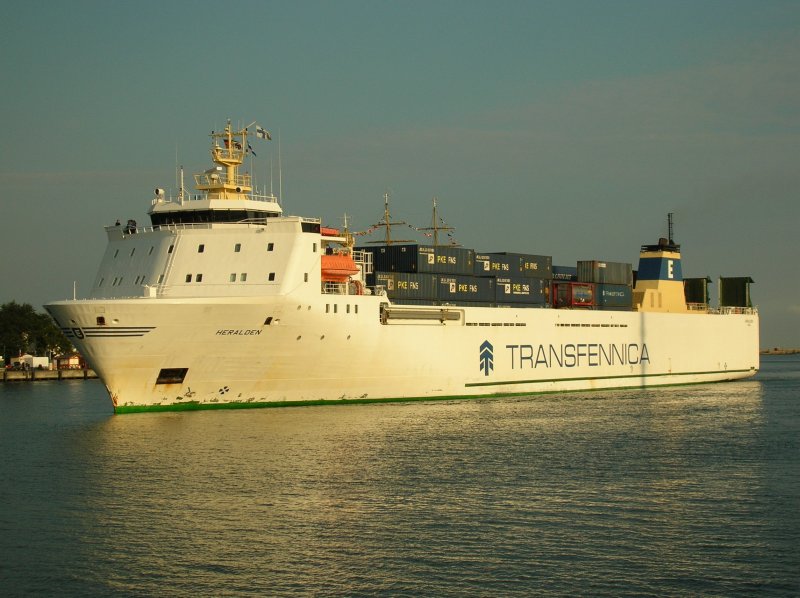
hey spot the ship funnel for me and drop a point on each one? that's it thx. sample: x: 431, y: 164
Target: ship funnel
x: 659, y: 279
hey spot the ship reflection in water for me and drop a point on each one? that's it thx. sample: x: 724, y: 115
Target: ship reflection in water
x: 629, y: 492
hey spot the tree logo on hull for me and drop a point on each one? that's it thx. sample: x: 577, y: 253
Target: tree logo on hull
x: 487, y: 357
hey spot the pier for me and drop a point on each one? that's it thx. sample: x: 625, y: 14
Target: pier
x: 35, y: 375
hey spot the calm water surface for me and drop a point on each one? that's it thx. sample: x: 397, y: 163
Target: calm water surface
x: 664, y: 492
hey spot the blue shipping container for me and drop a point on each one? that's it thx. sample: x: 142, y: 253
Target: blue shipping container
x: 466, y: 288
x: 513, y: 264
x: 403, y: 285
x: 613, y: 295
x: 520, y: 289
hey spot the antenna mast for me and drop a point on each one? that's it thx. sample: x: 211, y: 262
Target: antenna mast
x: 435, y: 227
x: 669, y: 227
x: 388, y: 224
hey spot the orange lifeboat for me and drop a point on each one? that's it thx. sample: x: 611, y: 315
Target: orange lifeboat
x: 337, y: 268
x: 327, y: 231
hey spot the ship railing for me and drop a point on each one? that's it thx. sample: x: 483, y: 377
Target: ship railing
x: 260, y: 222
x: 351, y: 287
x: 215, y: 177
x: 697, y: 307
x: 263, y: 197
x: 363, y: 259
x: 729, y: 309
x: 334, y: 288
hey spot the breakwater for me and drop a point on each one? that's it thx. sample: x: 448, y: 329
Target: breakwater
x: 36, y: 375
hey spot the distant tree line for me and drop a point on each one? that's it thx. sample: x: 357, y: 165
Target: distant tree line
x: 22, y: 330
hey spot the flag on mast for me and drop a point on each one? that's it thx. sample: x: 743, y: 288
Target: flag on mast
x: 262, y: 133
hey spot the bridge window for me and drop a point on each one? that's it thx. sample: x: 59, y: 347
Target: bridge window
x: 188, y: 278
x: 151, y: 250
x: 171, y: 247
x: 116, y: 253
x: 101, y: 320
x: 133, y: 251
x: 237, y: 248
x: 243, y: 277
x: 270, y: 246
x: 198, y: 278
x: 201, y: 248
x: 233, y: 277
x: 272, y: 276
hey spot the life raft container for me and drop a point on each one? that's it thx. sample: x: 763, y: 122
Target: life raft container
x: 338, y: 268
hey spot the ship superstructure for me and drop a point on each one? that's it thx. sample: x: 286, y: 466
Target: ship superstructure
x: 225, y: 301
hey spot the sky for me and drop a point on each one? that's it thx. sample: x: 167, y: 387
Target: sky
x: 563, y: 128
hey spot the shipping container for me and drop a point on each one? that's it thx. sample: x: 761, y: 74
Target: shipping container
x: 429, y: 258
x: 382, y: 258
x: 536, y: 266
x: 613, y: 295
x: 573, y: 294
x: 496, y: 264
x: 605, y: 272
x: 402, y: 285
x: 520, y: 289
x: 514, y: 264
x: 566, y: 273
x: 465, y: 288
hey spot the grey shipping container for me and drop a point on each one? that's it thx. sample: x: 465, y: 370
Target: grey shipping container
x: 605, y: 272
x: 466, y: 288
x: 513, y: 264
x: 613, y: 295
x: 402, y: 285
x: 520, y: 289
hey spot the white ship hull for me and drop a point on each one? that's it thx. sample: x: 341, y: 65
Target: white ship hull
x: 224, y: 301
x: 308, y: 353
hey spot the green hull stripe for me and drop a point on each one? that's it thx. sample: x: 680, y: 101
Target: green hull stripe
x: 195, y: 406
x: 545, y: 381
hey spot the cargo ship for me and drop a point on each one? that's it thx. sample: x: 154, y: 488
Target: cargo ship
x: 224, y: 301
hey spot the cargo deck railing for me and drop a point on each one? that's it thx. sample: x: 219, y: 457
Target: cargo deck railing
x: 728, y: 309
